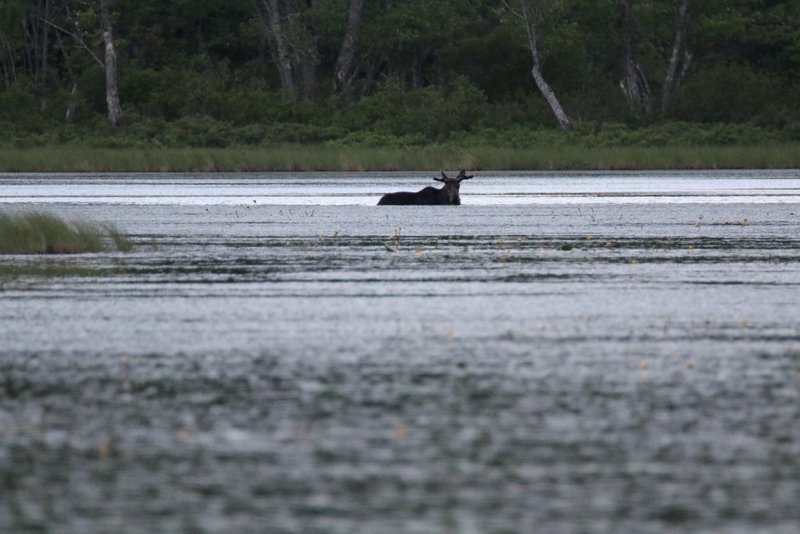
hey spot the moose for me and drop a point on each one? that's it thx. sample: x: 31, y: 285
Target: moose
x: 430, y: 196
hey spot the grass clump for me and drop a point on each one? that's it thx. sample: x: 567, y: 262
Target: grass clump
x: 44, y: 233
x: 120, y: 240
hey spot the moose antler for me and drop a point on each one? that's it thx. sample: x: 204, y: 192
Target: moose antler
x: 442, y: 179
x: 463, y: 175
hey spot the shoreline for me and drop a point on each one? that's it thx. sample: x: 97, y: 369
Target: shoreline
x: 329, y: 157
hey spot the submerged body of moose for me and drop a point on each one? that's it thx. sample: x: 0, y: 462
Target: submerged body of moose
x: 429, y: 196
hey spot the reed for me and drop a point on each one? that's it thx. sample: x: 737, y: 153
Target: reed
x: 43, y: 233
x: 332, y: 157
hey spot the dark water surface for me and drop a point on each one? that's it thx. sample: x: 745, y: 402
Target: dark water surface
x: 585, y: 352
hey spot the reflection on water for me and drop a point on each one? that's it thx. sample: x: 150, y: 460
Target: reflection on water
x: 366, y: 188
x: 574, y: 365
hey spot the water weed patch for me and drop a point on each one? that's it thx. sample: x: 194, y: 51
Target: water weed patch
x: 44, y: 233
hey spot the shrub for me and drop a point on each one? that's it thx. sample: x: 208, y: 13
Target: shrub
x: 434, y: 112
x: 16, y: 103
x: 728, y: 93
x: 300, y: 133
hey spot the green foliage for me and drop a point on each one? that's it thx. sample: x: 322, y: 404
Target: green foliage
x: 16, y: 102
x: 733, y: 93
x: 433, y: 112
x: 203, y: 74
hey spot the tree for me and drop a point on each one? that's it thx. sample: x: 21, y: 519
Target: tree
x: 292, y: 44
x: 269, y: 13
x: 110, y: 64
x: 634, y: 81
x: 25, y: 43
x: 343, y: 70
x: 719, y: 60
x: 109, y: 60
x: 415, y: 40
x: 529, y: 18
x: 673, y: 78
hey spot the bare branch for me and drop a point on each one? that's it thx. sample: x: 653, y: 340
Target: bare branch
x: 511, y: 9
x: 77, y: 38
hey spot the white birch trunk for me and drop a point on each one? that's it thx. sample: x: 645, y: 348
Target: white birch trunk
x: 72, y: 100
x: 110, y: 65
x: 671, y: 83
x: 536, y: 71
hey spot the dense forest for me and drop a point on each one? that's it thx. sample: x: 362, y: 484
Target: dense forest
x: 255, y: 72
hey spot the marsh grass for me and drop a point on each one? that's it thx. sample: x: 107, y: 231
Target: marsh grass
x: 120, y: 240
x: 336, y: 157
x: 44, y: 233
x: 49, y: 270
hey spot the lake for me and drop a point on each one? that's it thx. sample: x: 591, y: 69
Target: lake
x: 565, y: 352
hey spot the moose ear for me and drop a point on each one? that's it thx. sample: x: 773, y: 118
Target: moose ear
x: 463, y: 175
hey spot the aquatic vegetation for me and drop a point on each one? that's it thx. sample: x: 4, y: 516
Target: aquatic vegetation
x: 52, y: 270
x: 121, y: 241
x: 44, y: 233
x: 336, y: 157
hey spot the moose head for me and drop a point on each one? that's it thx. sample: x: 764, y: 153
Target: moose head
x: 451, y: 186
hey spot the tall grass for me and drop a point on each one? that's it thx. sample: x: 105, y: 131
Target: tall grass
x: 43, y: 233
x: 331, y: 157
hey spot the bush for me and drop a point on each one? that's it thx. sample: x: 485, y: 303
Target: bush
x: 377, y: 139
x: 732, y: 94
x: 300, y: 133
x: 21, y: 108
x: 201, y: 131
x: 434, y: 112
x: 791, y: 132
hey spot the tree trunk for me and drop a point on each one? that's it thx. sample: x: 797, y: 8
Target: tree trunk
x: 671, y: 83
x: 373, y: 70
x: 292, y: 45
x: 306, y: 50
x: 110, y: 64
x: 634, y: 82
x: 307, y: 74
x: 45, y: 66
x: 31, y: 49
x: 344, y: 63
x: 9, y: 67
x: 72, y: 102
x: 70, y: 111
x: 270, y: 14
x: 687, y: 60
x: 536, y: 71
x: 263, y: 45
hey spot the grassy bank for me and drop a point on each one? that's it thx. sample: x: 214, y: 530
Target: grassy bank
x: 330, y: 157
x: 42, y: 233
